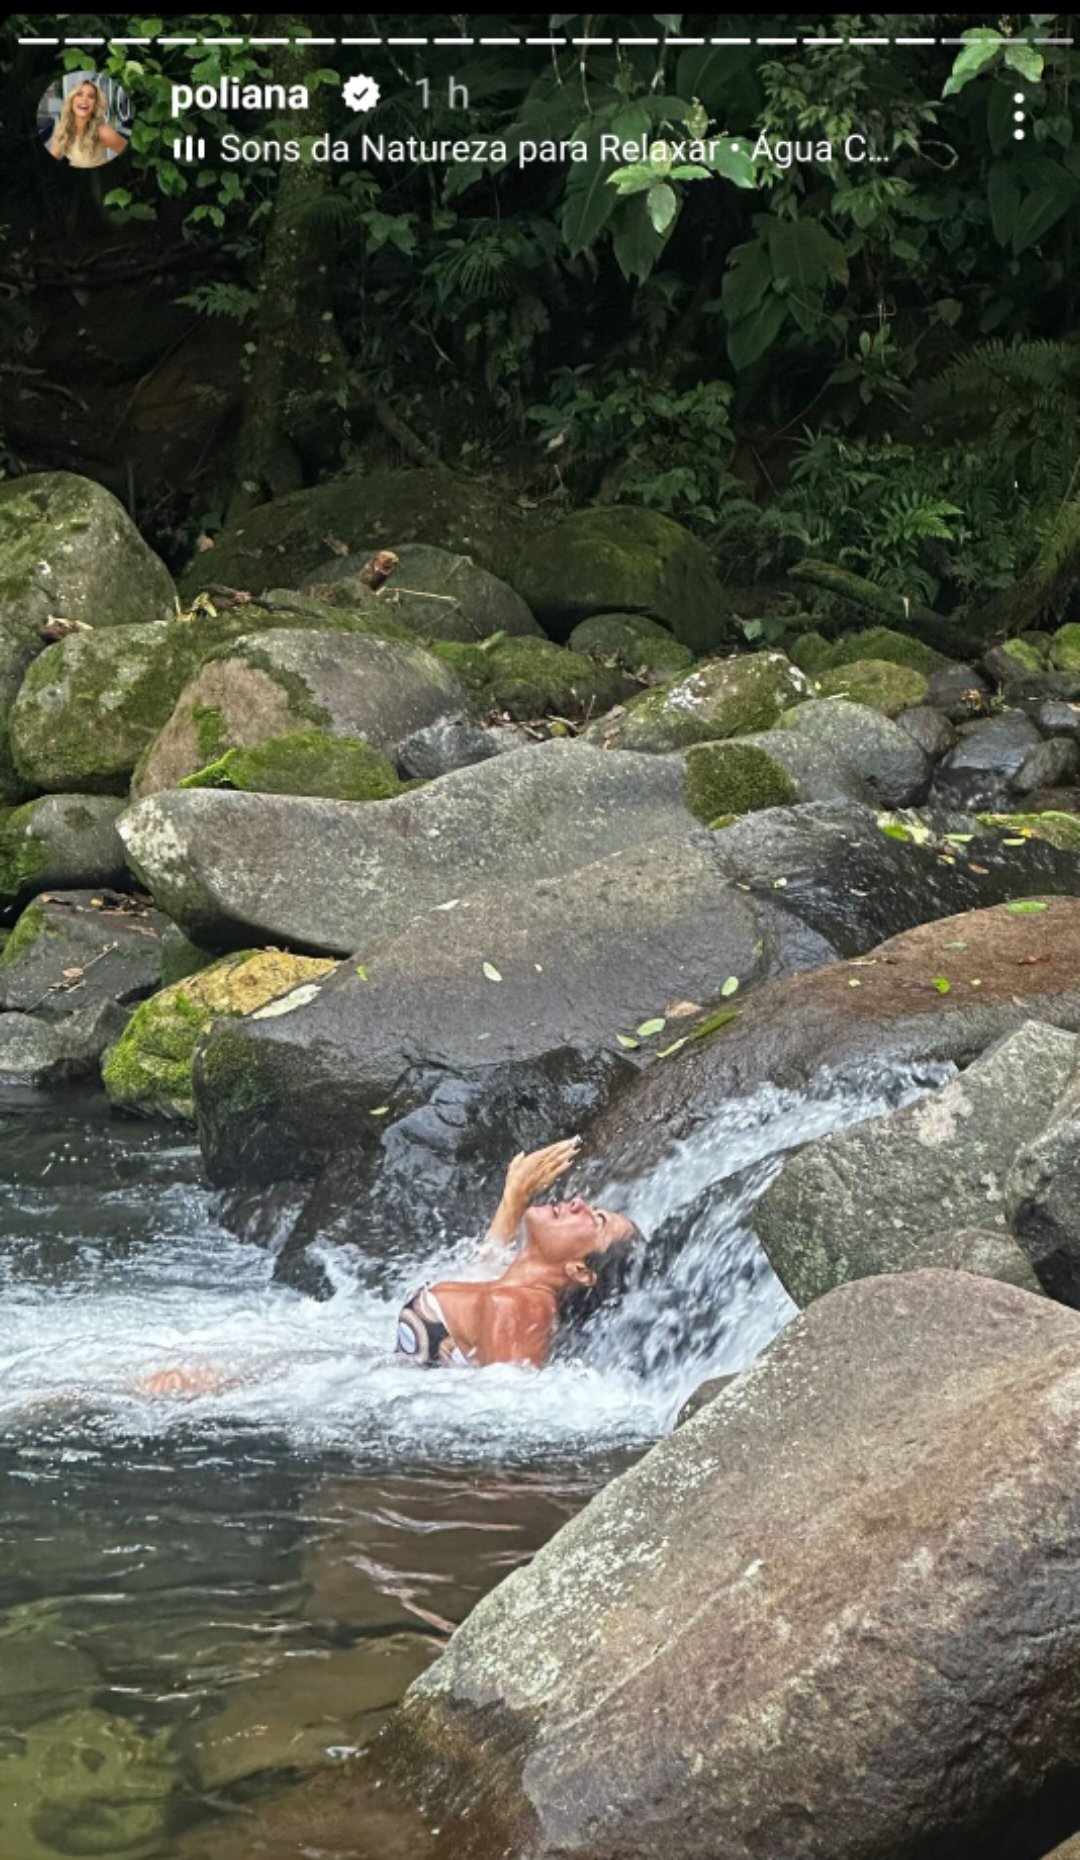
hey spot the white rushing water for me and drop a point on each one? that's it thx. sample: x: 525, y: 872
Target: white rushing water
x: 322, y: 1375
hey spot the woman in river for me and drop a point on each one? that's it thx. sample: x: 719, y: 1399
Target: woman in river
x: 84, y: 136
x: 569, y: 1249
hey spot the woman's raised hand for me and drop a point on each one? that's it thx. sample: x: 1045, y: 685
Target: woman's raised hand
x: 533, y: 1171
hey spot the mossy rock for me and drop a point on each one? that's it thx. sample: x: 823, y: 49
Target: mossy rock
x: 523, y: 678
x: 285, y: 682
x: 1065, y: 648
x: 720, y: 698
x: 61, y: 842
x: 731, y: 778
x: 1022, y: 655
x: 877, y: 683
x: 885, y: 643
x: 811, y: 652
x: 435, y: 594
x: 281, y: 543
x: 68, y: 550
x: 634, y: 642
x: 91, y: 705
x: 1059, y: 829
x: 339, y: 768
x: 149, y: 1068
x: 616, y: 559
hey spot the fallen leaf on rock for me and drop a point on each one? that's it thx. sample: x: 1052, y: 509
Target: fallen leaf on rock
x: 362, y: 972
x: 625, y: 1039
x: 98, y: 904
x: 976, y: 981
x: 492, y: 972
x: 380, y: 1110
x: 731, y: 986
x: 778, y: 884
x: 941, y: 983
x: 713, y: 1022
x: 958, y: 944
x: 1025, y: 906
x: 1018, y: 842
x: 665, y: 1052
x: 71, y: 975
x: 449, y: 905
x: 982, y: 870
x: 203, y: 543
x: 649, y: 1027
x: 678, y: 1010
x: 854, y: 982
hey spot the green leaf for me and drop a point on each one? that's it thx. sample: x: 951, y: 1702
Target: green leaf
x: 1041, y: 210
x: 589, y: 203
x: 379, y: 1110
x: 117, y: 197
x: 983, y: 45
x: 663, y: 204
x: 649, y: 1027
x: 665, y: 1052
x: 731, y: 986
x: 748, y: 339
x: 1003, y: 194
x: 1027, y: 59
x: 748, y: 277
x: 491, y: 972
x: 894, y: 831
x: 942, y: 984
x: 638, y: 178
x: 626, y: 1040
x: 999, y: 117
x: 1025, y: 906
x: 806, y: 255
x: 733, y: 161
x: 713, y: 1023
x: 362, y: 972
x: 635, y: 241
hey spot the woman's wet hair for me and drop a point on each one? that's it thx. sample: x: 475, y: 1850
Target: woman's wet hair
x: 613, y: 1268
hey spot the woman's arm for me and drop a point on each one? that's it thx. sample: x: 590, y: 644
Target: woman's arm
x: 52, y: 148
x: 527, y: 1177
x: 112, y: 138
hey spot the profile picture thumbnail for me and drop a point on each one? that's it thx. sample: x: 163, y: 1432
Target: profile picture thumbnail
x: 84, y: 118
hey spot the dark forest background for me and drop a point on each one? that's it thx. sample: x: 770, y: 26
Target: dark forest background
x: 874, y: 365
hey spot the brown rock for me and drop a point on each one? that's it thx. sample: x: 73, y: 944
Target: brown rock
x: 836, y: 1617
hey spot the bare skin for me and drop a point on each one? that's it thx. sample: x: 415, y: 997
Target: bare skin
x: 513, y: 1319
x: 83, y: 106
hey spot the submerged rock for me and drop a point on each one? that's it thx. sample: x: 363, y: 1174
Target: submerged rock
x: 614, y: 559
x: 276, y: 683
x: 149, y: 1068
x: 62, y: 841
x: 763, y: 1625
x: 330, y: 875
x: 856, y: 1202
x: 86, y: 1782
x: 721, y: 698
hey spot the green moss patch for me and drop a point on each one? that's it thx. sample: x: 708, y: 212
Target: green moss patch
x: 29, y: 927
x: 877, y: 683
x: 731, y: 778
x: 530, y: 677
x: 885, y: 643
x: 1065, y: 648
x: 337, y: 768
x: 634, y: 642
x: 1058, y: 829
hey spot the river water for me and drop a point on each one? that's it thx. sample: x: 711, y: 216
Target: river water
x: 204, y: 1600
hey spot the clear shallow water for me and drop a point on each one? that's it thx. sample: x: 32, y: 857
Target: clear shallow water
x: 202, y: 1600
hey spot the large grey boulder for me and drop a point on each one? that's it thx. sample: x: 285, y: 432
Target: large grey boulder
x: 1042, y: 1194
x: 435, y: 594
x: 989, y: 1251
x: 514, y: 996
x: 986, y: 763
x: 61, y: 840
x: 890, y: 762
x: 68, y: 550
x: 332, y: 875
x: 857, y: 1201
x: 836, y: 1616
x: 272, y: 684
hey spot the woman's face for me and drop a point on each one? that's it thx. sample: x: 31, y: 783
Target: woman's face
x: 563, y: 1232
x: 84, y: 101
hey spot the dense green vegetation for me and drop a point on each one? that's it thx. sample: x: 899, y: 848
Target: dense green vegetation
x: 869, y: 363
